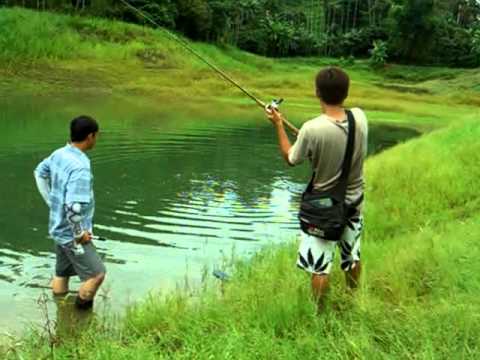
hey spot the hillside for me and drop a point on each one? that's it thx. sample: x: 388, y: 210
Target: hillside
x: 46, y: 54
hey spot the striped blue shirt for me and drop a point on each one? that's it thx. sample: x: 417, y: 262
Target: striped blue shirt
x: 70, y: 180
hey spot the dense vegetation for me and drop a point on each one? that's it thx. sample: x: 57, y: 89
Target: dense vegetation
x: 443, y: 32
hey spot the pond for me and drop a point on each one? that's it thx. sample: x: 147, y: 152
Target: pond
x: 176, y: 195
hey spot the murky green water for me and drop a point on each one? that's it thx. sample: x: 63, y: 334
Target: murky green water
x: 176, y: 194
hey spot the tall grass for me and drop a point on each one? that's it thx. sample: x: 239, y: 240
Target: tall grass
x: 34, y: 37
x: 31, y: 36
x: 437, y: 186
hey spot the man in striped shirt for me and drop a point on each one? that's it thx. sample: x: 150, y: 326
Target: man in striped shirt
x: 65, y: 181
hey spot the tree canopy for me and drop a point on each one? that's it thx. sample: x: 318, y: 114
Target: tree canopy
x: 434, y: 32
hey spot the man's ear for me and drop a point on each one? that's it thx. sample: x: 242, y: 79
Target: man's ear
x: 91, y: 137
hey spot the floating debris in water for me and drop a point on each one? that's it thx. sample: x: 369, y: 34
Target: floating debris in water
x: 221, y: 275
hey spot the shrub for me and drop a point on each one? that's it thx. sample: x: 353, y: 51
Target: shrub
x: 379, y: 55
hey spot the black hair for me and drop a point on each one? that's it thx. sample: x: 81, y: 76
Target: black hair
x: 81, y: 127
x: 332, y: 85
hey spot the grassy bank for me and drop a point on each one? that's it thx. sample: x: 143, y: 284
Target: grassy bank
x: 419, y: 294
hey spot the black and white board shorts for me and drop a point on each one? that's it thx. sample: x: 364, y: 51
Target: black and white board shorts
x: 86, y: 263
x: 315, y: 254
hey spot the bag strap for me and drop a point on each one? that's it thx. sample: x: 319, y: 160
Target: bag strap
x: 347, y: 160
x: 310, y: 184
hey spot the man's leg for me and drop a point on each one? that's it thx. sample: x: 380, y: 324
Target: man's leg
x: 90, y: 287
x: 350, y: 252
x: 319, y: 289
x: 92, y: 271
x: 63, y: 271
x: 60, y: 285
x: 352, y: 276
x: 315, y: 255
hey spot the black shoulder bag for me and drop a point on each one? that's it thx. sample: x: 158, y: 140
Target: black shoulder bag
x: 325, y: 214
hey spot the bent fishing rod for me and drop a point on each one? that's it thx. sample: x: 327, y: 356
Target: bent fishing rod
x: 273, y: 105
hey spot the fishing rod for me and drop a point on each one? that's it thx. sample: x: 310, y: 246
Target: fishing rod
x: 273, y: 105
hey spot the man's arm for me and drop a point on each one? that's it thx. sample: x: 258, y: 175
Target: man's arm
x: 42, y: 180
x: 75, y: 214
x: 283, y: 140
x: 77, y: 198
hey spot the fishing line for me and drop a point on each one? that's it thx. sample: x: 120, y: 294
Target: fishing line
x: 274, y: 104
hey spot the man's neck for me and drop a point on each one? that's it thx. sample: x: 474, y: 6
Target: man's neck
x: 80, y: 146
x: 334, y: 111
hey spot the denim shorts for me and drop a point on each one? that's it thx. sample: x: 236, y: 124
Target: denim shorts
x: 81, y: 260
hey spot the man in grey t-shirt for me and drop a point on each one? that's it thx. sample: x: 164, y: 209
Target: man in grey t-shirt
x: 323, y: 142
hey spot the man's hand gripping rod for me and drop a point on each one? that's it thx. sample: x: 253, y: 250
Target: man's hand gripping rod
x: 274, y: 105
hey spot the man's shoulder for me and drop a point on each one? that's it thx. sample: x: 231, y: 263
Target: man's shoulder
x: 65, y: 157
x: 318, y: 127
x: 361, y: 119
x: 57, y: 152
x: 315, y: 123
x: 359, y: 114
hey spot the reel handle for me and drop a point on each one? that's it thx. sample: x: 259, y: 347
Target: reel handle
x: 275, y: 104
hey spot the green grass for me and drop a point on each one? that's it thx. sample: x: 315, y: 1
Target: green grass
x: 419, y: 293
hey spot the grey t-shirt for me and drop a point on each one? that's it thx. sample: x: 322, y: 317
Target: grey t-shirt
x: 323, y: 141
